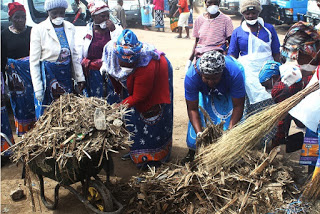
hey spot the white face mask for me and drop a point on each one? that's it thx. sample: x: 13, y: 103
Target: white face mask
x: 103, y: 25
x: 308, y: 67
x: 126, y: 70
x: 57, y: 21
x: 251, y: 22
x: 213, y: 9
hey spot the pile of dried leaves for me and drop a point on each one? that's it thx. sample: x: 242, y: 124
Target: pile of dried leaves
x: 258, y: 183
x: 69, y: 129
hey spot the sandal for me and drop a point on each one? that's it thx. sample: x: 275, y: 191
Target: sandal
x: 178, y: 37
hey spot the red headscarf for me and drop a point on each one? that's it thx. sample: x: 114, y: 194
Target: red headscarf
x: 14, y: 7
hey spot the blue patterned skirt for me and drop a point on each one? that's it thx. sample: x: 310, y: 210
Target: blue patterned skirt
x: 21, y: 94
x: 57, y: 80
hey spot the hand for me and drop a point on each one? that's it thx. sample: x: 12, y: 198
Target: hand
x: 290, y: 74
x: 39, y: 95
x: 199, y: 134
x: 189, y: 62
x: 103, y: 69
x: 110, y: 25
x: 81, y: 86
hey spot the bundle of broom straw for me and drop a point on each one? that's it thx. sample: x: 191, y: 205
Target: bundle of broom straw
x: 235, y: 143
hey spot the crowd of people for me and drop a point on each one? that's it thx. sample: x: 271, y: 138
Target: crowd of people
x: 231, y: 73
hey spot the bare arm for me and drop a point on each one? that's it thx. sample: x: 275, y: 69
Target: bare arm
x: 193, y: 49
x: 193, y: 114
x: 238, y: 106
x: 276, y: 57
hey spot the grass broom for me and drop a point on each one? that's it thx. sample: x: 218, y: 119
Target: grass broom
x: 312, y: 189
x: 235, y: 143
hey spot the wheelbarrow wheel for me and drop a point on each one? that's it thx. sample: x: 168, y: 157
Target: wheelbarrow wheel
x: 99, y: 198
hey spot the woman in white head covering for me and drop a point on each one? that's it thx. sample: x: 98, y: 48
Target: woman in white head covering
x: 98, y: 34
x: 54, y: 61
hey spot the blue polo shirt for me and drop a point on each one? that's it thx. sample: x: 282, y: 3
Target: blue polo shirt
x: 232, y: 81
x: 239, y: 40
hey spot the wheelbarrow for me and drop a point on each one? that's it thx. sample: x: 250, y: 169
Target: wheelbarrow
x: 95, y: 195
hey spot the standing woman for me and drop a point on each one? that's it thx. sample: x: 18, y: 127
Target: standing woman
x: 15, y: 63
x: 254, y: 43
x: 174, y: 15
x: 146, y: 14
x: 158, y: 13
x: 212, y: 31
x: 141, y: 76
x: 54, y: 61
x: 99, y: 33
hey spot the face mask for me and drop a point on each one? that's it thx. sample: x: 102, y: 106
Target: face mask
x: 57, y: 21
x: 126, y: 70
x: 308, y: 67
x: 103, y: 25
x: 269, y: 91
x: 213, y: 9
x: 252, y: 22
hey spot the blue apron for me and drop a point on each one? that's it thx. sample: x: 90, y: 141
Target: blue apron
x: 219, y: 108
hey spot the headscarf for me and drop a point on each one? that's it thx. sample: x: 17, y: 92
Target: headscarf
x: 14, y: 7
x: 269, y: 69
x: 250, y: 5
x: 52, y: 4
x: 111, y: 54
x: 96, y: 7
x: 212, y: 62
x: 302, y: 36
x: 128, y: 47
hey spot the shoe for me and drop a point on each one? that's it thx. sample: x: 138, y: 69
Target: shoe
x: 178, y: 37
x: 189, y: 157
x: 126, y: 157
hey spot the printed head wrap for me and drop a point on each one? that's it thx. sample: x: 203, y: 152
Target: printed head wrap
x: 212, y: 62
x: 302, y: 36
x: 128, y: 48
x: 14, y: 7
x: 246, y: 5
x: 96, y: 7
x: 269, y: 69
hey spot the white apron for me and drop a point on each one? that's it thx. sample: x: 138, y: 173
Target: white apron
x: 308, y: 110
x: 258, y: 53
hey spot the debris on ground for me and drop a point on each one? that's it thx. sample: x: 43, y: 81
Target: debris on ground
x: 256, y: 183
x: 17, y: 194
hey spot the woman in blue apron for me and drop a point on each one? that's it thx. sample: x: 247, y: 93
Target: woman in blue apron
x: 216, y: 84
x: 254, y: 43
x: 141, y: 77
x: 54, y: 61
x: 15, y: 43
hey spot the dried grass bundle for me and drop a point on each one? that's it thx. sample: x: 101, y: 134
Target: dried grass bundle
x: 250, y: 186
x: 67, y: 131
x: 234, y: 144
x: 312, y: 189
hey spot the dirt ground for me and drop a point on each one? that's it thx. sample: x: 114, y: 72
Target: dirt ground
x: 177, y: 51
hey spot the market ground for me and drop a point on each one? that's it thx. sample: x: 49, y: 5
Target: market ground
x: 177, y: 51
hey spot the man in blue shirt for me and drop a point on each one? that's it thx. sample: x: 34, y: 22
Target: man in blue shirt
x: 216, y: 83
